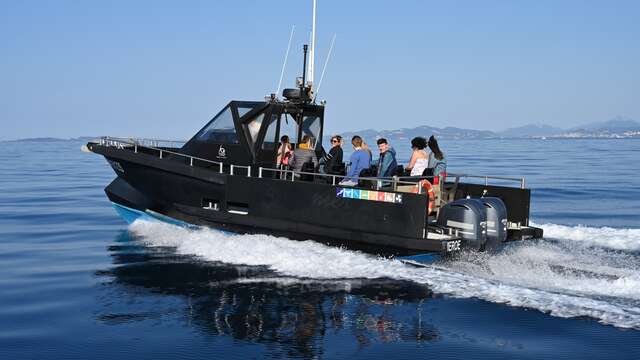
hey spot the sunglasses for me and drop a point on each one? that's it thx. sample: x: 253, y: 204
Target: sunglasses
x: 334, y: 141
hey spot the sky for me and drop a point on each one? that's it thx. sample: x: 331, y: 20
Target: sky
x: 164, y: 68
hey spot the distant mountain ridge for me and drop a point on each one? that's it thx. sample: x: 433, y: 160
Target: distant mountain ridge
x: 617, y: 124
x: 424, y: 130
x: 50, y: 139
x: 531, y: 130
x: 618, y: 127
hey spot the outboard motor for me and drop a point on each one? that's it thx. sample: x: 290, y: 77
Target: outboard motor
x: 469, y: 217
x: 496, y: 212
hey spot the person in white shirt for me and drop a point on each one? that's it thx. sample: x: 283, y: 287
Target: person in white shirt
x: 419, y: 158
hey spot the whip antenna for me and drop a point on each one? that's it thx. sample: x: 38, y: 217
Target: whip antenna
x: 313, y: 45
x: 333, y: 40
x: 286, y: 55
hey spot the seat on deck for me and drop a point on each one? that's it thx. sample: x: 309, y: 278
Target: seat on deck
x: 337, y: 169
x: 307, y: 168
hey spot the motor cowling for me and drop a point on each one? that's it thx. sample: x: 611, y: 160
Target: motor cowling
x: 469, y: 218
x: 496, y: 212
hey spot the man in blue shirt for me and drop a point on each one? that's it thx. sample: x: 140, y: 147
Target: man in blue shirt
x: 360, y: 160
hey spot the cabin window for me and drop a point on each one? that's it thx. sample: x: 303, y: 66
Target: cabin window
x: 311, y: 127
x: 270, y: 140
x: 289, y: 127
x: 238, y: 208
x: 243, y: 110
x: 210, y: 204
x: 253, y: 127
x: 221, y: 129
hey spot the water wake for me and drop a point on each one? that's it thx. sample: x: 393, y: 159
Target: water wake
x: 619, y: 239
x: 562, y: 277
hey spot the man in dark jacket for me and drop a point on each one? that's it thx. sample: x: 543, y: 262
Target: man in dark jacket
x: 303, y: 154
x: 387, y: 163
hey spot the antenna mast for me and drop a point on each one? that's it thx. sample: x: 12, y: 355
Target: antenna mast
x: 313, y: 45
x: 315, y: 95
x: 286, y: 55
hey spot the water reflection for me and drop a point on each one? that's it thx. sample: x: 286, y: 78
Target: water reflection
x: 257, y: 305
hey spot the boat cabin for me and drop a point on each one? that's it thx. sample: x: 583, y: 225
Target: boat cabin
x: 248, y: 132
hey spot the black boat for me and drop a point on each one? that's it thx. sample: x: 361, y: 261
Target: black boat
x: 226, y: 177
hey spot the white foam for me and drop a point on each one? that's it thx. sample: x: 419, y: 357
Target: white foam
x: 619, y: 239
x: 574, y: 270
x: 560, y: 280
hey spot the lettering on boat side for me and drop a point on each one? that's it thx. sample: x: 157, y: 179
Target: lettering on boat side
x: 222, y: 153
x: 116, y: 166
x: 453, y: 245
x: 320, y: 200
x: 370, y: 195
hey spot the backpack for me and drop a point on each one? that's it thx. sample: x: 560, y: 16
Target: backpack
x: 286, y: 157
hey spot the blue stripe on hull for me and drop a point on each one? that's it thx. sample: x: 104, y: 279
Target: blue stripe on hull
x: 425, y: 259
x: 130, y: 215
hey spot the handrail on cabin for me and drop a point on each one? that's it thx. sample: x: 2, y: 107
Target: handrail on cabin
x: 148, y: 142
x: 122, y: 143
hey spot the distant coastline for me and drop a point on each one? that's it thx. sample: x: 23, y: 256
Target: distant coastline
x: 51, y: 139
x: 616, y: 128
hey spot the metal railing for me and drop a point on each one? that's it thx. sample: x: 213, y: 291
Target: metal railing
x: 152, y: 143
x: 291, y: 175
x: 285, y: 174
x: 135, y: 145
x: 489, y: 177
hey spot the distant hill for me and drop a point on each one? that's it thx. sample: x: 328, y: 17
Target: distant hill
x: 617, y: 124
x: 618, y: 127
x: 51, y: 139
x: 38, y: 139
x: 406, y: 134
x: 531, y: 130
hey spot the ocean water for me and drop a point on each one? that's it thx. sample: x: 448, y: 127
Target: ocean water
x: 76, y: 282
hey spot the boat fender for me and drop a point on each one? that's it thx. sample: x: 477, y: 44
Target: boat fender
x: 428, y: 189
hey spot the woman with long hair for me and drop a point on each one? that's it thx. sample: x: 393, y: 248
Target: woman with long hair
x: 437, y: 162
x: 284, y: 152
x: 333, y: 158
x: 419, y: 158
x: 366, y: 148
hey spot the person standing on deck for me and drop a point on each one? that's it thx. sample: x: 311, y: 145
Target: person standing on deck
x: 284, y: 153
x: 360, y: 160
x: 334, y: 157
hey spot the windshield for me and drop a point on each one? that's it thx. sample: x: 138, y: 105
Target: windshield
x: 221, y: 129
x: 311, y: 128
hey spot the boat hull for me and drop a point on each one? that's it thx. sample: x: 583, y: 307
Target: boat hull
x: 243, y: 204
x: 382, y: 222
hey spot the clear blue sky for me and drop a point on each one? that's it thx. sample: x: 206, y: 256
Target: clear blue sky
x: 163, y: 68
